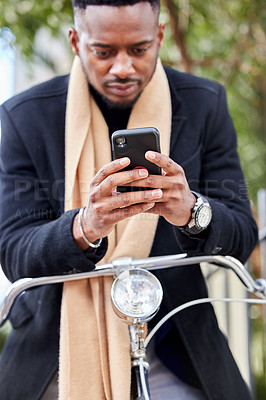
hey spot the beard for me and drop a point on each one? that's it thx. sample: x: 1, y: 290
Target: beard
x: 115, y: 105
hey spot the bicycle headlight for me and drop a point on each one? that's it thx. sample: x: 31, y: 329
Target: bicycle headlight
x: 136, y: 295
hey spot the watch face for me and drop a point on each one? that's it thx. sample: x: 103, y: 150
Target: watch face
x: 203, y: 217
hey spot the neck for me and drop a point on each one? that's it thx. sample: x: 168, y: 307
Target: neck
x: 115, y: 118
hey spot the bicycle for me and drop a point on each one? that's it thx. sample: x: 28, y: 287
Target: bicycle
x: 136, y: 297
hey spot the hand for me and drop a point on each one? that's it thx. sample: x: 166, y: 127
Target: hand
x: 105, y: 207
x: 176, y: 201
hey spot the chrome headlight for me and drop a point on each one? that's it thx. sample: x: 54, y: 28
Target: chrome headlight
x: 136, y: 295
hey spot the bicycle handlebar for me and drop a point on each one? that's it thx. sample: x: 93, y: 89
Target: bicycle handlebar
x: 113, y: 268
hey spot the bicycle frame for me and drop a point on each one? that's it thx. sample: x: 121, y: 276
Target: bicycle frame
x: 115, y: 269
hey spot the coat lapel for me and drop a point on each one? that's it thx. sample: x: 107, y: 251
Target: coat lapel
x: 178, y: 113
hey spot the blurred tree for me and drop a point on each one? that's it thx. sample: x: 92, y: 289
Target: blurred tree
x: 226, y: 41
x: 25, y: 19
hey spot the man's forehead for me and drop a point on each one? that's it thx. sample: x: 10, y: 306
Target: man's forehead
x: 111, y: 18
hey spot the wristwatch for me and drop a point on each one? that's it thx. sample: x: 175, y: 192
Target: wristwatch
x: 201, y: 215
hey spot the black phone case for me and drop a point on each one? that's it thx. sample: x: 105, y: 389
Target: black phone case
x: 137, y: 142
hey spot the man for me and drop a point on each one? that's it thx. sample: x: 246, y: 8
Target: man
x: 60, y: 203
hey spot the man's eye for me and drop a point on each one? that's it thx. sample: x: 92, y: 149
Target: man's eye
x: 139, y: 51
x: 102, y: 53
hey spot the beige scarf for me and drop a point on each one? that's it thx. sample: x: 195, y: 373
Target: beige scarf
x: 94, y: 343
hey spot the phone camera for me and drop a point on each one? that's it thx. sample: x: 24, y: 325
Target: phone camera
x: 121, y: 141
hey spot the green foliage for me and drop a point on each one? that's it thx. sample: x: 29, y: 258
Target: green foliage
x: 258, y: 359
x: 24, y: 18
x: 4, y: 332
x: 226, y: 41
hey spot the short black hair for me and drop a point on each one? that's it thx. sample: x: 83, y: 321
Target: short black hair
x: 82, y: 4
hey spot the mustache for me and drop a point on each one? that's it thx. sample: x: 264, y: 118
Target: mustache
x: 121, y: 80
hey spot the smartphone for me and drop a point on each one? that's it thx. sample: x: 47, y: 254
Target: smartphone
x: 134, y: 143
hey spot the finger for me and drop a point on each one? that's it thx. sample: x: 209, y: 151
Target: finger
x: 128, y: 199
x: 160, y: 209
x: 166, y: 182
x: 131, y: 211
x: 120, y: 179
x: 109, y: 169
x: 166, y: 163
x: 153, y: 181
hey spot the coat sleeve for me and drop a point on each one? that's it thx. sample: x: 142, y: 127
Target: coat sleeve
x: 35, y: 234
x: 233, y: 230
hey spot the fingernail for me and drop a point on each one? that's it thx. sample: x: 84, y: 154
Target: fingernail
x: 124, y: 161
x: 157, y: 193
x: 152, y: 155
x: 143, y: 172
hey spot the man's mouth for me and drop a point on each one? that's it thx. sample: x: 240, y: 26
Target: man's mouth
x: 122, y: 89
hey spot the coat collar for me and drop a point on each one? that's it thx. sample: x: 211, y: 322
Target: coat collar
x: 178, y: 113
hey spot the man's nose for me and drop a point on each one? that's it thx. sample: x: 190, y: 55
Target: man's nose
x: 123, y: 66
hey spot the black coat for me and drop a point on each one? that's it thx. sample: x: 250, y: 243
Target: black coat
x: 36, y: 234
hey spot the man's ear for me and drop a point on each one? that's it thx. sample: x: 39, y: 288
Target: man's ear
x: 161, y: 34
x: 73, y: 40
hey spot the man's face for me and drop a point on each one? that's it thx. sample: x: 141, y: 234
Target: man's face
x: 118, y: 48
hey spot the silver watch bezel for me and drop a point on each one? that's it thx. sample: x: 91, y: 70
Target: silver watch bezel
x: 200, y: 204
x: 198, y: 215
